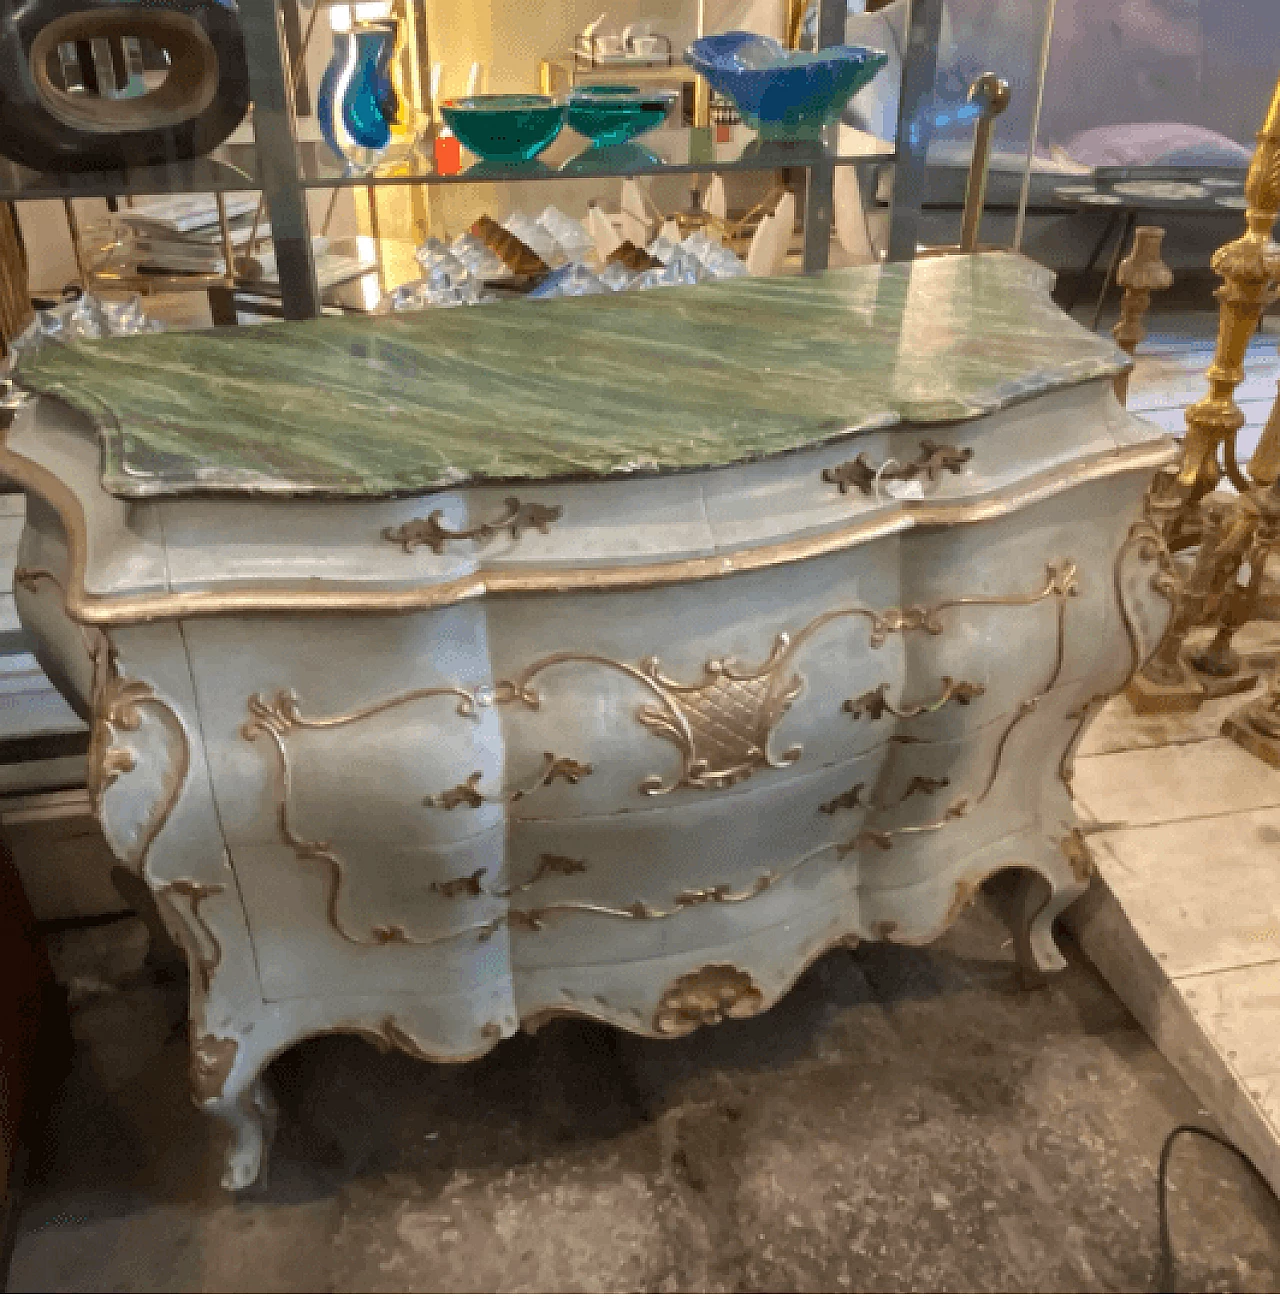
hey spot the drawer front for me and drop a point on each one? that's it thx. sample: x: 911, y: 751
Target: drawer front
x: 398, y: 785
x: 863, y: 481
x: 550, y: 707
x: 436, y: 539
x: 615, y: 888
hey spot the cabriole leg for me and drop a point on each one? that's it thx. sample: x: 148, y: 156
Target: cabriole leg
x: 1043, y: 893
x: 227, y: 1083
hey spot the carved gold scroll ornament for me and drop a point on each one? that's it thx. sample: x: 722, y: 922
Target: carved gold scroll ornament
x: 721, y: 726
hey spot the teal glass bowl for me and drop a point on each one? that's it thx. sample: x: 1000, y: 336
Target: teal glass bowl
x: 615, y: 114
x: 504, y: 128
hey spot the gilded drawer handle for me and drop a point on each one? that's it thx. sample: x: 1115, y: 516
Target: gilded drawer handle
x: 930, y: 463
x: 432, y: 532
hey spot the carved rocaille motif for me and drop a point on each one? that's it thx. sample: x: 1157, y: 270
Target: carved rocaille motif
x: 432, y: 532
x: 212, y: 1060
x: 932, y: 461
x: 1148, y: 539
x: 705, y: 997
x: 721, y: 725
x: 118, y: 708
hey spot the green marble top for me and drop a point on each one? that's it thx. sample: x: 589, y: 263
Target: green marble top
x: 669, y: 380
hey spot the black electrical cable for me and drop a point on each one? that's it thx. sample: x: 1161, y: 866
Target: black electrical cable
x: 1165, y: 1277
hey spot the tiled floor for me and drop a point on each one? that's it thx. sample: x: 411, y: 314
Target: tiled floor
x: 1185, y: 827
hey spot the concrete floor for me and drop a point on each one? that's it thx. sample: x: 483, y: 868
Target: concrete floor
x: 904, y: 1120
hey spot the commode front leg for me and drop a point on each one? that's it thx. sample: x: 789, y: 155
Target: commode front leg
x: 227, y: 1083
x: 1047, y: 887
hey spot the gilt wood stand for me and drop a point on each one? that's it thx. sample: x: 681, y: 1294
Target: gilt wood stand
x: 612, y: 657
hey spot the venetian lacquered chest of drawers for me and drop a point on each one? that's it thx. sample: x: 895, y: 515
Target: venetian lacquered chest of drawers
x: 611, y: 657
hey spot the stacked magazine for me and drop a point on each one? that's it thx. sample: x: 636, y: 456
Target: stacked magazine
x: 180, y: 234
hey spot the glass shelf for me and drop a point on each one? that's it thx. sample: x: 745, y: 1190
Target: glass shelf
x: 668, y: 151
x: 232, y: 167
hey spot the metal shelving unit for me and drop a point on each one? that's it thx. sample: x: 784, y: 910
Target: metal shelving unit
x: 283, y: 168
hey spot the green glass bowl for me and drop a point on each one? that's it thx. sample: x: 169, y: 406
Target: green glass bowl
x: 504, y: 128
x: 615, y: 114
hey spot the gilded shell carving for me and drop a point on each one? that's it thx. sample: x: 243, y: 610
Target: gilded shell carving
x: 705, y: 997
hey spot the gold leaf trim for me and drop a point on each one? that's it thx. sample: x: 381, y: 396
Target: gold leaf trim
x: 204, y: 948
x: 276, y: 718
x: 118, y: 707
x: 776, y: 690
x: 99, y: 610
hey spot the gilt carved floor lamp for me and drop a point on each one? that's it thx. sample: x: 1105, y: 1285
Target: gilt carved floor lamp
x: 1234, y: 535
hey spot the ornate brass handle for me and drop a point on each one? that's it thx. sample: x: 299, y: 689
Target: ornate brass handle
x: 930, y: 463
x: 432, y: 532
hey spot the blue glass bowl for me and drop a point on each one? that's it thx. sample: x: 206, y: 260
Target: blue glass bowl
x: 504, y: 128
x: 778, y: 90
x: 615, y: 114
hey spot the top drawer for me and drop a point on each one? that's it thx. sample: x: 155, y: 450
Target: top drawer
x: 869, y: 481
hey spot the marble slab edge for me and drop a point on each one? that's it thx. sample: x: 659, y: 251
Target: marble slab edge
x: 126, y: 485
x: 406, y: 405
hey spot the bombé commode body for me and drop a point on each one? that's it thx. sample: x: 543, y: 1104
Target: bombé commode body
x: 612, y: 657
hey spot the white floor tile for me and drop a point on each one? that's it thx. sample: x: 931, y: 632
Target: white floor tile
x: 1264, y: 1089
x: 1177, y: 782
x: 1118, y: 729
x: 1202, y: 895
x: 1240, y: 1011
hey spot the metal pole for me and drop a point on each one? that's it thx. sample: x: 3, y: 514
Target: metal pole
x: 73, y: 228
x: 294, y: 81
x: 270, y: 85
x: 224, y: 230
x: 375, y: 230
x: 991, y: 96
x: 1041, y: 69
x: 819, y: 199
x: 915, y: 127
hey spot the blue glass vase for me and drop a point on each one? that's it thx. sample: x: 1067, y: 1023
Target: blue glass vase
x: 364, y: 116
